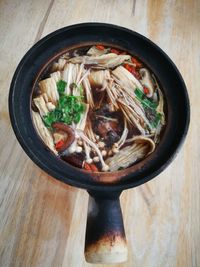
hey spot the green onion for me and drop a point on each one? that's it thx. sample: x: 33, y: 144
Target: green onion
x: 146, y: 102
x: 68, y: 110
x: 149, y: 107
x: 139, y: 94
x: 61, y: 86
x: 156, y: 121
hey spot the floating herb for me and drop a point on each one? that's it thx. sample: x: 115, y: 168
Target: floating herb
x: 69, y: 108
x: 146, y: 102
x: 61, y: 86
x: 149, y: 107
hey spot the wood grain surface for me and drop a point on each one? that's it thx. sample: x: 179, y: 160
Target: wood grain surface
x: 42, y: 221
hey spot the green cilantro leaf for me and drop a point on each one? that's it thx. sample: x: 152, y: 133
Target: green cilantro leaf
x: 61, y: 86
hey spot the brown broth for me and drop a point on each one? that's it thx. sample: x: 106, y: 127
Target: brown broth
x: 107, y: 131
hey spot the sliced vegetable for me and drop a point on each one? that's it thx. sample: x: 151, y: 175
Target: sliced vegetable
x: 59, y: 144
x: 149, y: 107
x: 68, y: 136
x: 135, y: 73
x: 136, y: 62
x: 100, y: 47
x: 139, y: 94
x: 146, y: 90
x: 157, y: 120
x: 61, y: 86
x: 146, y: 81
x: 123, y: 53
x: 86, y: 166
x: 132, y: 70
x: 128, y: 67
x: 115, y: 51
x: 52, y: 117
x: 90, y: 167
x: 94, y: 168
x: 68, y: 110
x: 146, y: 102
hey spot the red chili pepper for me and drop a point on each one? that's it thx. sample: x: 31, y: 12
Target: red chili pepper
x: 123, y: 53
x: 128, y: 67
x: 136, y: 62
x: 136, y: 73
x: 115, y: 51
x: 59, y: 144
x: 90, y: 167
x: 86, y: 166
x: 146, y: 90
x: 132, y: 70
x: 94, y: 168
x: 100, y: 47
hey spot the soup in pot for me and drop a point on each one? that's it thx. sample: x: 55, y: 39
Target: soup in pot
x: 99, y: 108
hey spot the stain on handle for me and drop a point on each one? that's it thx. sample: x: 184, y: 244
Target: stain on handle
x: 105, y: 236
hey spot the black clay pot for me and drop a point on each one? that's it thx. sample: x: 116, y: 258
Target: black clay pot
x: 105, y: 237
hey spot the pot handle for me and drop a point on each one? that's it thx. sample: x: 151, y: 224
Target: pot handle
x: 105, y: 240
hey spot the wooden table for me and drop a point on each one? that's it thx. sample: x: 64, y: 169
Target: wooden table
x: 42, y: 221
